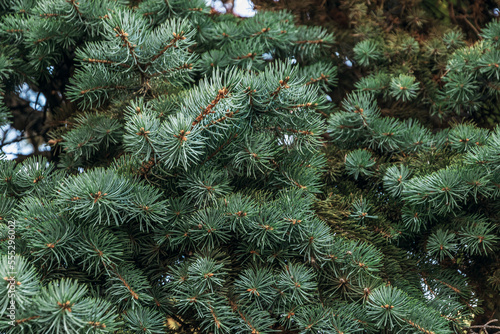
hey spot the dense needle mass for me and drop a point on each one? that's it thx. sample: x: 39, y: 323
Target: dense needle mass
x: 201, y: 181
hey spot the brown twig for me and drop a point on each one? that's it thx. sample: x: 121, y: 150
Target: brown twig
x: 469, y: 23
x: 484, y: 327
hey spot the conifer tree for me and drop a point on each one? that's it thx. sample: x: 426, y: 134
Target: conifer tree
x: 417, y: 39
x: 184, y: 196
x: 435, y: 62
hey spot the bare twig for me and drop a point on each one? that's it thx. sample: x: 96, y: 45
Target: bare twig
x: 484, y: 328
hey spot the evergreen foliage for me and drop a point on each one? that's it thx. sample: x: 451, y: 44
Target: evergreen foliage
x: 430, y: 68
x: 440, y: 56
x: 206, y: 184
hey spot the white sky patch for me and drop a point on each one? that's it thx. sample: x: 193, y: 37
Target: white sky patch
x: 243, y: 8
x: 267, y: 56
x: 287, y: 140
x: 44, y: 147
x: 346, y: 60
x: 37, y: 100
x: 217, y: 5
x: 8, y: 133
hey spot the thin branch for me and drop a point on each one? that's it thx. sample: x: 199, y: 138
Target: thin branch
x: 484, y: 327
x: 463, y: 17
